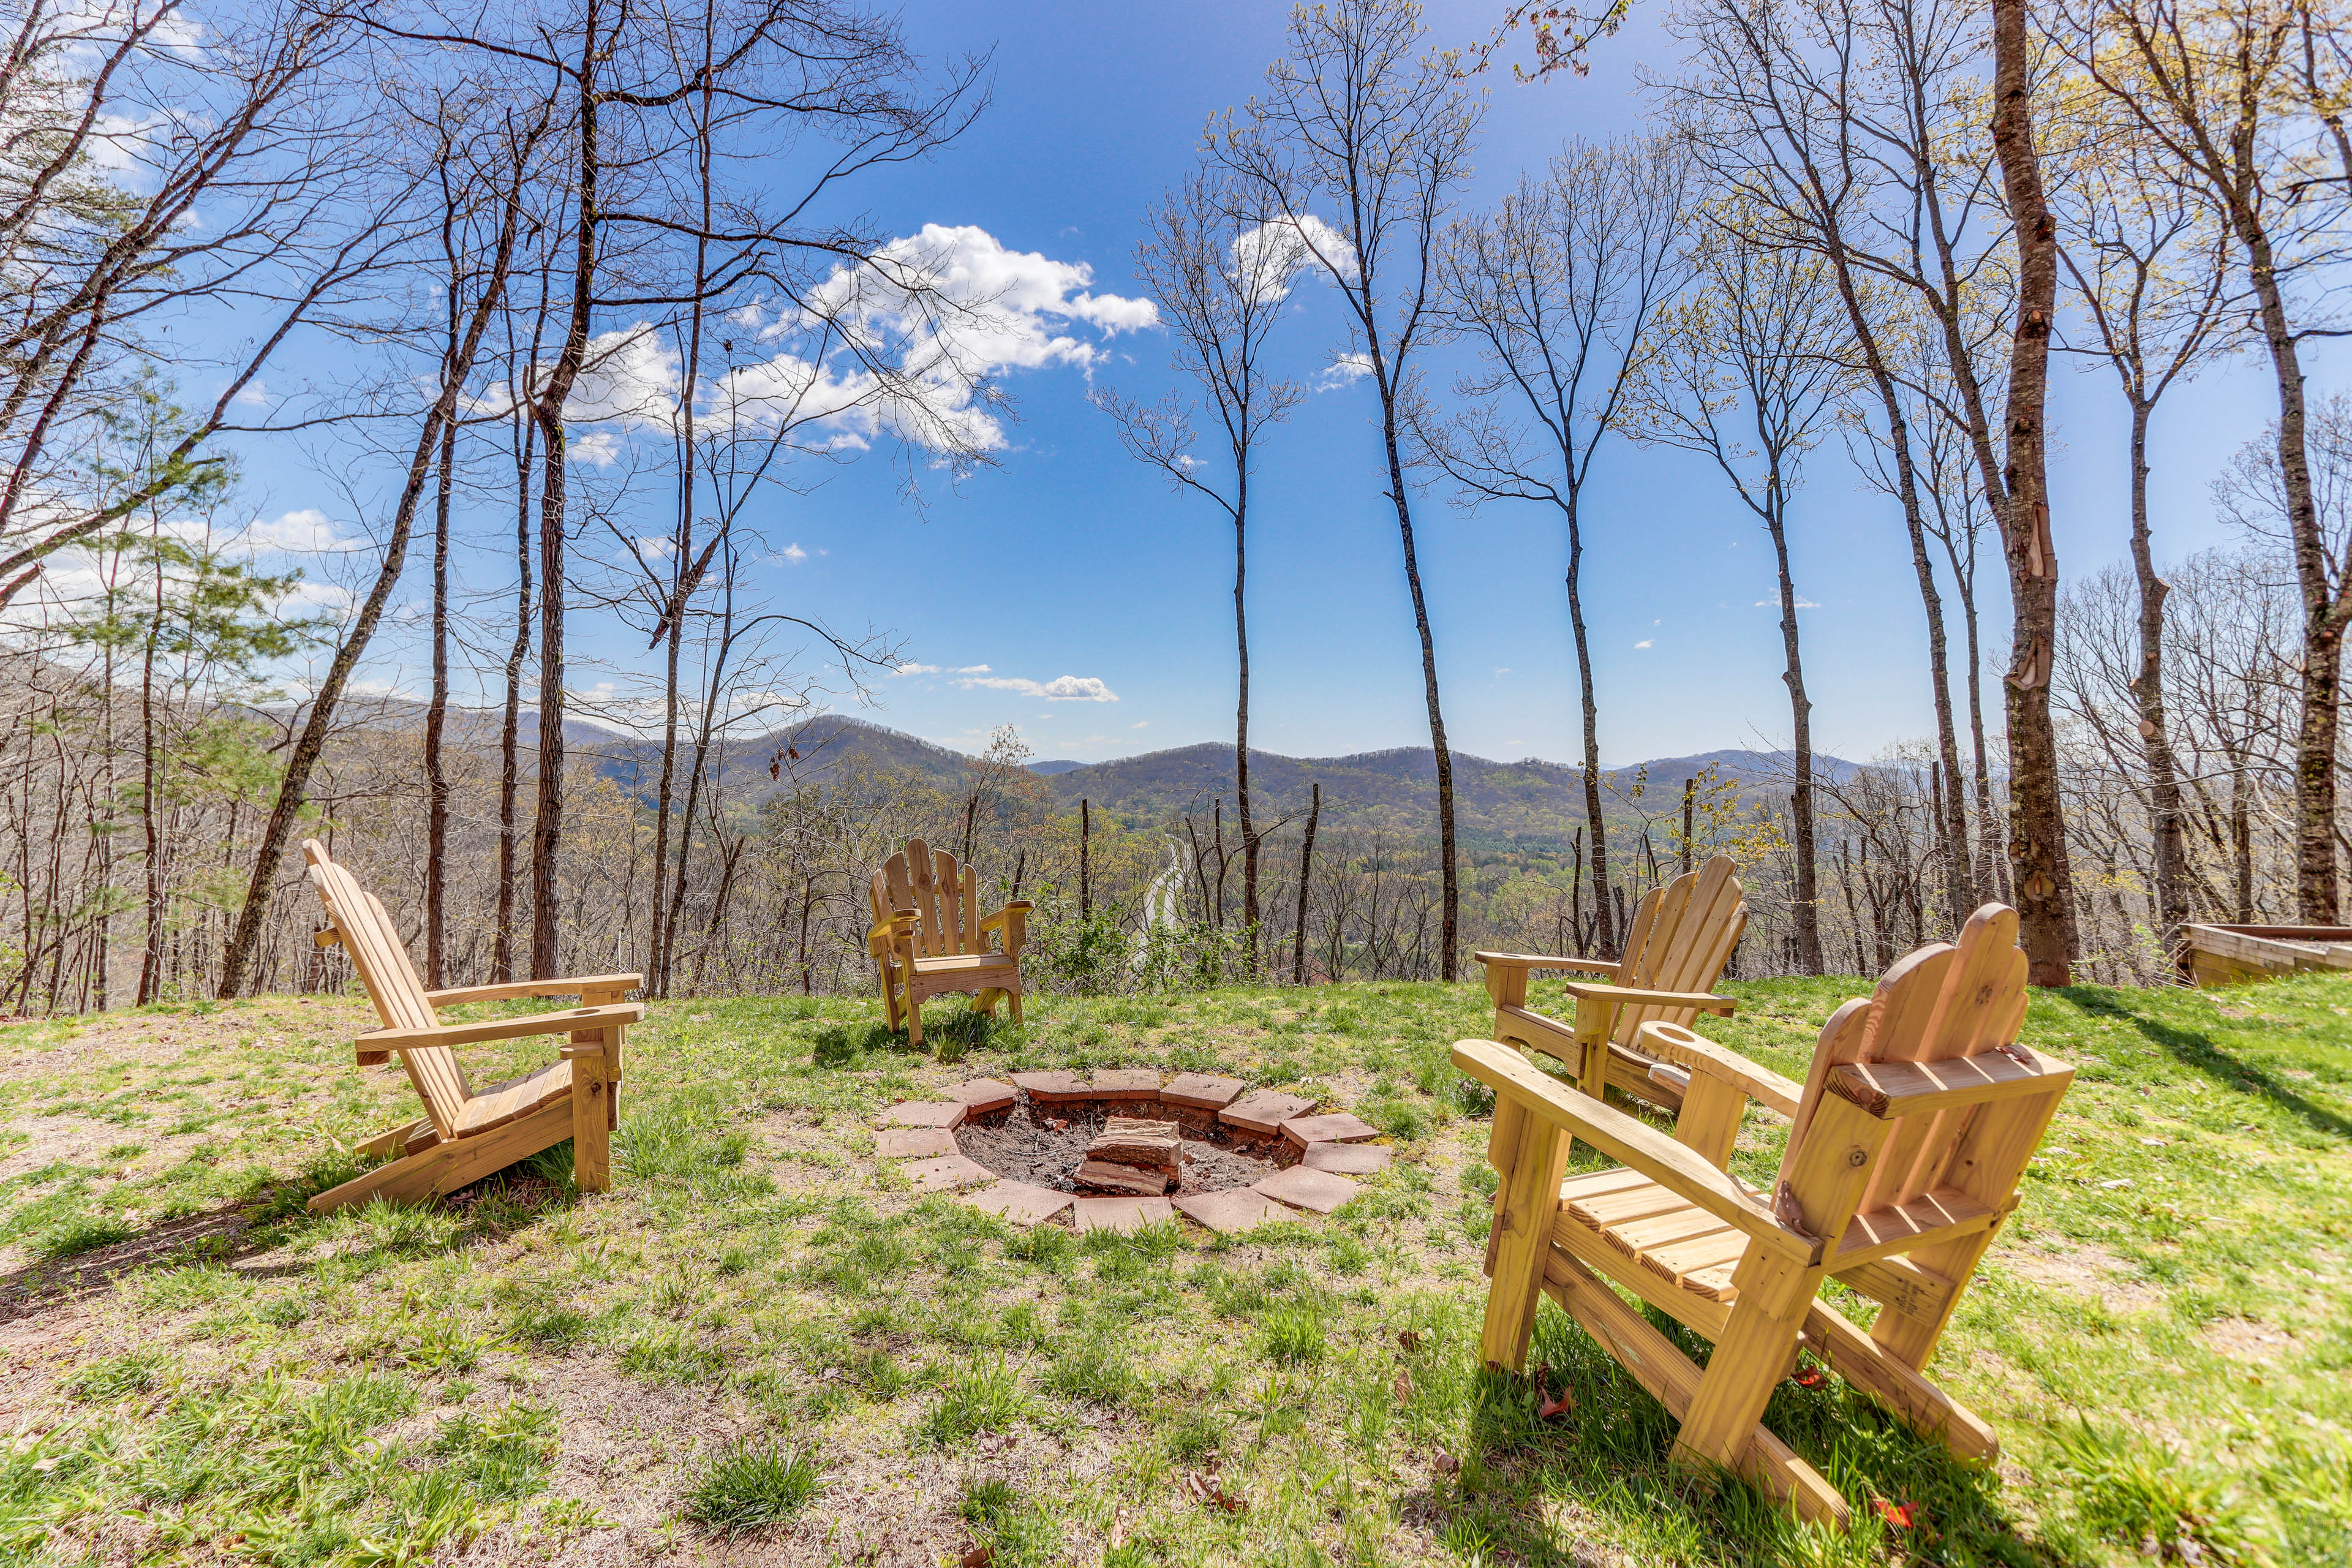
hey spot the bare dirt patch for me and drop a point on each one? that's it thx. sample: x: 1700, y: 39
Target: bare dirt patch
x: 2087, y: 1271
x: 2244, y: 1338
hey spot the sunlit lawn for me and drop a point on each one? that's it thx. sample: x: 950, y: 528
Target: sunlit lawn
x: 761, y: 1347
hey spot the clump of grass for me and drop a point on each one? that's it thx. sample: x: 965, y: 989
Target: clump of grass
x: 752, y: 1485
x: 102, y: 1382
x: 671, y: 1357
x: 504, y: 1457
x: 83, y: 1233
x: 549, y: 1328
x: 987, y: 1502
x: 976, y: 1397
x: 1191, y: 1435
x: 2148, y: 1496
x: 1092, y: 1369
x: 1292, y: 1334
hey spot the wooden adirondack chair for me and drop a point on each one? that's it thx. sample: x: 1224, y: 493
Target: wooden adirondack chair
x: 466, y: 1133
x: 929, y: 938
x: 1681, y: 938
x: 1908, y: 1140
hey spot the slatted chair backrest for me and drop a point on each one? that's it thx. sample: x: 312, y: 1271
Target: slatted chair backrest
x: 1938, y: 1003
x: 1680, y: 937
x: 945, y: 898
x: 382, y: 960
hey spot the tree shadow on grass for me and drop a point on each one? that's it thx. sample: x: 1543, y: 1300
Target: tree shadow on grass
x: 2195, y: 1049
x: 1608, y: 1445
x: 948, y: 1035
x: 242, y: 1231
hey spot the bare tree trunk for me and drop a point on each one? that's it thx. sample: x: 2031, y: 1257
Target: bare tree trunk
x: 509, y: 761
x: 2167, y: 825
x: 1806, y: 914
x: 1085, y: 848
x: 1306, y: 874
x: 2037, y: 835
x: 1591, y: 714
x: 1241, y: 726
x: 437, y: 712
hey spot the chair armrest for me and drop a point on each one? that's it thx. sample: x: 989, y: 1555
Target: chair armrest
x: 1634, y: 1143
x: 580, y: 985
x: 992, y: 922
x: 1674, y: 1043
x: 1632, y: 997
x: 1537, y: 961
x: 561, y: 1023
x: 891, y: 929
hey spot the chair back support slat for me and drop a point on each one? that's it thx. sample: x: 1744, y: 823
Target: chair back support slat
x: 382, y: 960
x: 944, y: 895
x: 950, y: 891
x: 1680, y: 938
x: 1937, y: 1004
x: 931, y: 940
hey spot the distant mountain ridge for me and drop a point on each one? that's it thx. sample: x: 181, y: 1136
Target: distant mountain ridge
x: 1528, y: 804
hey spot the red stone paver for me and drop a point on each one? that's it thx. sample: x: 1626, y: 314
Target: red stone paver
x: 1231, y: 1213
x: 1120, y: 1214
x: 944, y: 1114
x: 1264, y: 1111
x: 1203, y: 1089
x: 1340, y: 1126
x: 1305, y: 1187
x: 1126, y: 1083
x: 1346, y: 1159
x: 948, y: 1170
x: 1054, y: 1087
x: 1017, y: 1202
x: 982, y: 1095
x: 914, y: 1144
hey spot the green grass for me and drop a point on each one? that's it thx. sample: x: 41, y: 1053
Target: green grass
x: 750, y: 1485
x: 2161, y: 1337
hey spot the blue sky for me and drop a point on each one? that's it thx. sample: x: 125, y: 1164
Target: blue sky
x: 1070, y: 559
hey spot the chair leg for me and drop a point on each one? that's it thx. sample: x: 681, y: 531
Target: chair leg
x: 394, y: 1141
x: 1013, y: 1002
x: 985, y: 1001
x: 1919, y: 1404
x: 591, y: 1157
x: 1529, y: 1154
x: 400, y: 1180
x: 914, y: 1016
x: 1755, y: 1346
x: 1674, y: 1382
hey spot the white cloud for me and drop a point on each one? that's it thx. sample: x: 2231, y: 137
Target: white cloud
x: 1646, y: 642
x: 1061, y: 689
x: 1504, y: 670
x: 1270, y: 257
x: 917, y: 669
x: 1802, y: 603
x: 305, y: 530
x: 1346, y: 369
x: 973, y: 669
x: 601, y: 447
x: 794, y: 553
x: 1141, y: 724
x: 256, y: 394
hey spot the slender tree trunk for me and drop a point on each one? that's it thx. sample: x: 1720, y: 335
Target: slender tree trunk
x: 547, y: 830
x: 2242, y: 840
x: 509, y: 760
x: 1306, y: 874
x: 1955, y: 847
x: 1807, y: 911
x: 1591, y: 714
x: 437, y: 712
x: 1241, y: 723
x: 1450, y: 923
x: 2037, y: 833
x: 1085, y: 848
x: 151, y: 963
x: 2168, y: 832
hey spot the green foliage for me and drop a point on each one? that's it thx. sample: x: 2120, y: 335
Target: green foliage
x: 974, y: 1397
x: 82, y: 1233
x: 101, y: 1381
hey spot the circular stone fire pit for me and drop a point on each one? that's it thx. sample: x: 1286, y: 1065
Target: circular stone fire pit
x: 1122, y: 1149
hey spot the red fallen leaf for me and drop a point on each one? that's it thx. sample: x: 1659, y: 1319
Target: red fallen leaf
x: 1810, y: 1377
x: 1057, y: 1125
x: 1552, y: 1407
x: 1410, y: 1341
x: 1448, y: 1465
x: 979, y: 1557
x: 1900, y: 1517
